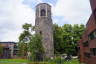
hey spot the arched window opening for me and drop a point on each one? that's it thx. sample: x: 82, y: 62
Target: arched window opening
x: 43, y: 12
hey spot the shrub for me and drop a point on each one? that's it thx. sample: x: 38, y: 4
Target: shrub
x: 39, y: 63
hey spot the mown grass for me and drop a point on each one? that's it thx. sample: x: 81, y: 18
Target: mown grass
x: 13, y: 60
x: 24, y: 61
x: 73, y: 61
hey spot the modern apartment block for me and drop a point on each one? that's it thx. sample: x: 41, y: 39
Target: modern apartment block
x: 87, y: 44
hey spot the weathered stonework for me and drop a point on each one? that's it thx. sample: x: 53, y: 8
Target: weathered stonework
x: 44, y: 26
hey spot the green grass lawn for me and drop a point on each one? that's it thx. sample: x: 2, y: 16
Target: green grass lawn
x: 13, y: 61
x: 24, y: 61
x: 73, y: 61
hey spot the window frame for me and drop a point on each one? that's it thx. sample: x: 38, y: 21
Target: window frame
x: 87, y: 54
x: 92, y: 35
x: 93, y: 51
x: 85, y: 44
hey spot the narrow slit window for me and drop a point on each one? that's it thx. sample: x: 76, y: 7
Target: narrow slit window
x: 40, y: 32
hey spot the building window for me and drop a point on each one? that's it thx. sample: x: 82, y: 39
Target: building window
x: 92, y: 35
x: 43, y: 12
x: 86, y: 54
x: 85, y: 44
x: 93, y: 51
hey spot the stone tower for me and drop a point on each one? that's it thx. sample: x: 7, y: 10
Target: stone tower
x: 44, y: 27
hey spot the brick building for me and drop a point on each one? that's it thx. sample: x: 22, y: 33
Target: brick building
x: 87, y: 44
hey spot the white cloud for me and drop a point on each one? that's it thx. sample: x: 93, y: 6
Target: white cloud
x: 11, y: 36
x: 35, y: 1
x: 74, y: 11
x: 14, y: 14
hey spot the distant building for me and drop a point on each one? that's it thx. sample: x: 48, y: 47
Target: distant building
x: 87, y: 44
x: 44, y: 27
x: 9, y: 49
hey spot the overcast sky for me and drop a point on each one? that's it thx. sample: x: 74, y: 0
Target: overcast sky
x: 14, y: 13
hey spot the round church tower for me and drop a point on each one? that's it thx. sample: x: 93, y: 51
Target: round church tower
x: 44, y: 27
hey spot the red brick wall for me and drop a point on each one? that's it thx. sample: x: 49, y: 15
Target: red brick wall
x: 92, y: 43
x: 91, y: 25
x: 81, y: 52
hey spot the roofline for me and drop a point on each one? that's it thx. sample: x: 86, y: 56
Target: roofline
x: 7, y: 42
x: 43, y: 3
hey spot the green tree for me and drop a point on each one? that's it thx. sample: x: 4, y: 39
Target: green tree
x: 77, y: 32
x: 29, y: 42
x: 36, y: 48
x: 66, y: 38
x: 57, y: 36
x: 24, y: 38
